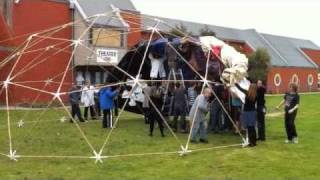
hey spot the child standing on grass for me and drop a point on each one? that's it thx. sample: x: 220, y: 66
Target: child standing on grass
x: 291, y: 104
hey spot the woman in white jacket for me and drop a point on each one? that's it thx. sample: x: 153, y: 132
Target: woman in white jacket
x: 87, y: 98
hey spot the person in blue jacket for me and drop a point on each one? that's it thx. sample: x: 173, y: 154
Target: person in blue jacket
x: 106, y: 98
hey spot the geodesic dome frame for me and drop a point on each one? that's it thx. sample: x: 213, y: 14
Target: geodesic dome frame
x: 235, y: 72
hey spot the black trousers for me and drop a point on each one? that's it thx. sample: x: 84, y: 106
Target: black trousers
x: 147, y: 113
x: 92, y: 112
x: 155, y: 117
x: 116, y: 104
x: 107, y: 121
x: 236, y: 112
x: 179, y: 111
x: 261, y: 123
x: 75, y: 111
x: 98, y: 109
x: 290, y: 126
x: 252, y: 135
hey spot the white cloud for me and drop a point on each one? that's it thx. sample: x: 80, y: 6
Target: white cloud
x: 292, y: 18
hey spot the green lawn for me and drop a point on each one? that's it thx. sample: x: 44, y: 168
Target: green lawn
x: 270, y: 160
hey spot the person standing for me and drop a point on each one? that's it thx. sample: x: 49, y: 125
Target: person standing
x: 87, y: 98
x: 155, y: 109
x: 197, y: 114
x: 291, y: 104
x: 192, y: 94
x: 179, y: 108
x: 107, y: 95
x: 74, y: 99
x: 236, y: 105
x: 216, y: 109
x: 146, y: 103
x: 249, y: 114
x: 261, y: 110
x: 96, y: 102
x: 116, y: 106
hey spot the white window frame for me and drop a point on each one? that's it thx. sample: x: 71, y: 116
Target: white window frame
x: 277, y: 77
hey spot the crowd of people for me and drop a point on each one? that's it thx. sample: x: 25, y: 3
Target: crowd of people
x: 226, y: 111
x: 189, y: 106
x: 96, y: 101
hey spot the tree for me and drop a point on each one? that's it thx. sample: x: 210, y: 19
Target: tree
x: 259, y: 62
x: 180, y: 30
x: 206, y: 31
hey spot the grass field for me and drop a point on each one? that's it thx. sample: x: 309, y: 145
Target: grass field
x: 269, y: 160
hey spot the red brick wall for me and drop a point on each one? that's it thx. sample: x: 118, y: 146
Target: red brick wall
x: 3, y: 72
x: 32, y: 16
x: 134, y: 21
x: 286, y: 76
x: 146, y: 36
x: 4, y: 29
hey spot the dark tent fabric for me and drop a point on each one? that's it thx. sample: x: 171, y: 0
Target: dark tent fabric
x: 189, y: 51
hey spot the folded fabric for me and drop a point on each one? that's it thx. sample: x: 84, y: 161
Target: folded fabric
x: 236, y: 64
x: 158, y: 47
x: 244, y: 84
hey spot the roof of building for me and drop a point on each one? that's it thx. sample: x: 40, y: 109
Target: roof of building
x: 125, y: 5
x: 90, y: 8
x: 284, y: 51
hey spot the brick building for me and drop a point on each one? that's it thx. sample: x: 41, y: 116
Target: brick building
x: 292, y: 59
x: 19, y: 20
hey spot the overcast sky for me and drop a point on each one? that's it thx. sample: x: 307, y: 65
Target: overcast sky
x: 293, y: 18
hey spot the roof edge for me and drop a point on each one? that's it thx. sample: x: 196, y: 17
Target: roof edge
x: 307, y: 57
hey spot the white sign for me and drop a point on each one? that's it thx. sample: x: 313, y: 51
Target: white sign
x: 107, y: 55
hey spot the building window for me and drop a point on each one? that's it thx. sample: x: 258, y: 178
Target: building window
x: 310, y: 80
x: 106, y: 37
x: 295, y: 79
x: 277, y: 80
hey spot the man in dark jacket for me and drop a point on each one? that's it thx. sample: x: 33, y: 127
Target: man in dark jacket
x: 179, y: 108
x: 156, y: 98
x: 261, y: 90
x: 216, y: 109
x: 74, y: 99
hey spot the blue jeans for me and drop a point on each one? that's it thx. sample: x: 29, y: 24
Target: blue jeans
x: 199, y: 127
